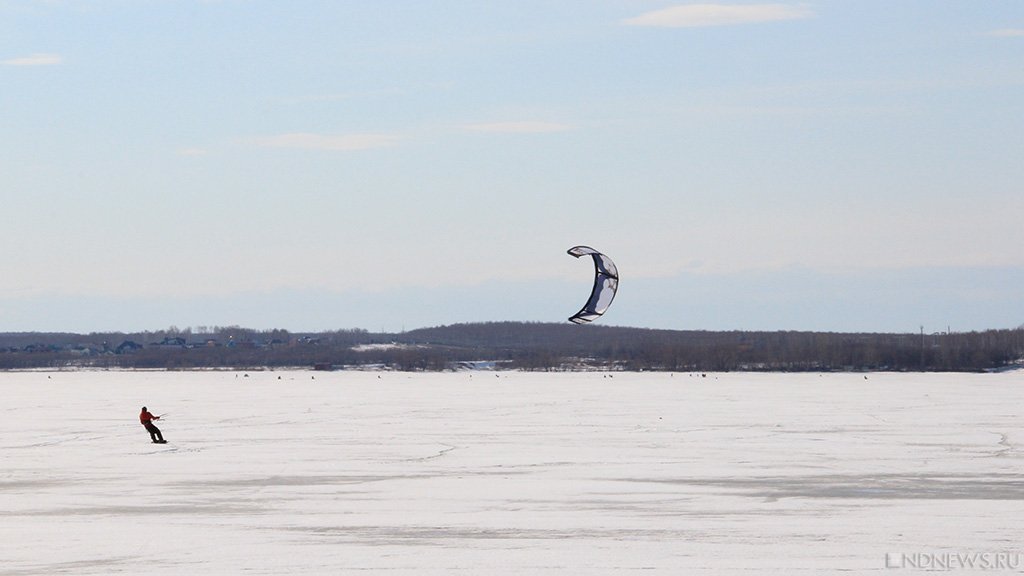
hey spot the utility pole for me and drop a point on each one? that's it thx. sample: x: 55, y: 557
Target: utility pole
x: 922, y: 347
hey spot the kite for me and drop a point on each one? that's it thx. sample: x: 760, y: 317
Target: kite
x: 606, y: 282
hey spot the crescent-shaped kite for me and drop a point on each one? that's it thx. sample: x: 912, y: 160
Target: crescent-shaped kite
x: 606, y: 282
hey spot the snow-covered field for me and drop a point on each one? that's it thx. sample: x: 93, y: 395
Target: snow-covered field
x: 334, y: 473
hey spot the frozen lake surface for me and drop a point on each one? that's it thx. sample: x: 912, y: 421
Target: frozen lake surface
x: 296, y: 472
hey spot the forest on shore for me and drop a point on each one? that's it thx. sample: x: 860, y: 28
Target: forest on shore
x: 515, y: 345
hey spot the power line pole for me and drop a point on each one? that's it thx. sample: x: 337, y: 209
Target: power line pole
x: 922, y: 347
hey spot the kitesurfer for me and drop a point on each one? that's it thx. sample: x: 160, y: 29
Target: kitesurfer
x: 147, y: 420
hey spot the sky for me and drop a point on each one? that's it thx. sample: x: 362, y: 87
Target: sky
x: 319, y: 165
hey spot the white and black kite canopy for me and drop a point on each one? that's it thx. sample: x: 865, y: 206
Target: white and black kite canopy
x: 606, y: 282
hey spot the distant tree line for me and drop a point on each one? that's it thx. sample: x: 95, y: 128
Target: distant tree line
x: 516, y: 345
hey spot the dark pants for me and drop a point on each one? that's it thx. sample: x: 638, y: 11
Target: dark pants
x: 154, y: 432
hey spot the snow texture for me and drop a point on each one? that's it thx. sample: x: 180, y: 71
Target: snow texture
x: 508, y: 473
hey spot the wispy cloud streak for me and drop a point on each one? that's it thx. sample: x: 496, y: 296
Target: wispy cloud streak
x: 1007, y: 32
x: 701, y: 15
x: 528, y: 127
x: 38, y: 59
x: 338, y: 143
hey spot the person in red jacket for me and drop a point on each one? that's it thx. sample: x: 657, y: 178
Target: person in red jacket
x: 147, y: 420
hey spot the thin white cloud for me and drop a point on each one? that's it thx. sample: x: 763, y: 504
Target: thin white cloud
x: 1007, y: 32
x: 38, y: 59
x: 341, y: 96
x: 338, y: 143
x: 192, y: 151
x: 528, y: 127
x: 700, y: 15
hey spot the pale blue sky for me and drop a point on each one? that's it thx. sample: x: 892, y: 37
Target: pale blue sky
x: 831, y: 165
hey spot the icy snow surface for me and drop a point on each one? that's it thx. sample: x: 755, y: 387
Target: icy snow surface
x: 303, y: 472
